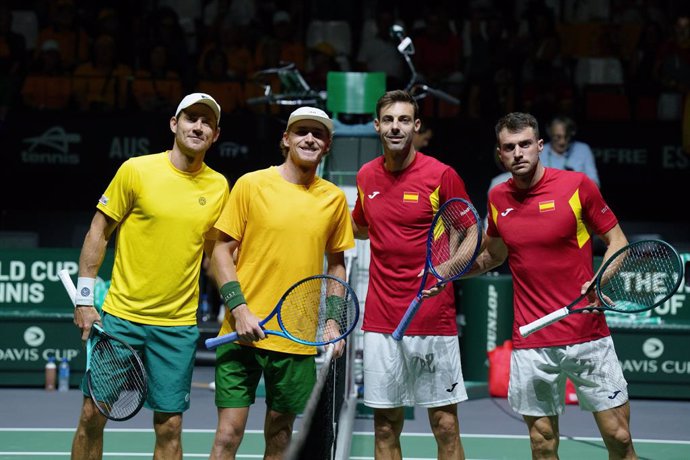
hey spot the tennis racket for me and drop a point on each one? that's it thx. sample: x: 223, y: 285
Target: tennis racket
x: 452, y: 246
x: 636, y: 278
x: 115, y: 374
x: 315, y: 311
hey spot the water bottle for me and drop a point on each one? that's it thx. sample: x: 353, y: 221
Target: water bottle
x: 63, y: 375
x: 51, y: 374
x: 205, y: 308
x: 359, y: 372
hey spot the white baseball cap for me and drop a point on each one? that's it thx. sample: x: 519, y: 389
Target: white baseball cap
x: 199, y: 98
x: 311, y: 113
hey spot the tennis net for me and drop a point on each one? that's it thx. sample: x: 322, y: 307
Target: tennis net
x: 324, y: 430
x: 317, y: 434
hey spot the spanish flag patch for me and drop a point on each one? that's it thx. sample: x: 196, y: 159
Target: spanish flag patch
x: 410, y: 197
x: 547, y: 206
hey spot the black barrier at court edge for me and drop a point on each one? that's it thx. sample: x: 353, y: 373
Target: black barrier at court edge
x: 487, y: 306
x: 56, y: 165
x: 65, y: 161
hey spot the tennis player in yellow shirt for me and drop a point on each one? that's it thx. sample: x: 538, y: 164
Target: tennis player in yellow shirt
x: 163, y: 207
x: 284, y: 222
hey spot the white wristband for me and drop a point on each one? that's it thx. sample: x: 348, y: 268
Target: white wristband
x: 85, y: 291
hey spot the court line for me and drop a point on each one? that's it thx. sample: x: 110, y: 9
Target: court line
x: 357, y: 433
x: 522, y: 436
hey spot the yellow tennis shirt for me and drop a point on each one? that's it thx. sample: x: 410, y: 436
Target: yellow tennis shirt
x: 164, y: 215
x: 284, y: 232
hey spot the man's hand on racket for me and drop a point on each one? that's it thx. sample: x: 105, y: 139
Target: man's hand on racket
x: 84, y: 317
x: 247, y: 324
x: 332, y: 332
x: 592, y: 298
x: 434, y: 291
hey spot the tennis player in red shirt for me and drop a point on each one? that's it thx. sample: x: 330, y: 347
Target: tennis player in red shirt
x: 398, y: 195
x: 543, y: 220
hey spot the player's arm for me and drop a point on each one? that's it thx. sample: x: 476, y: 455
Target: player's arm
x: 225, y: 272
x: 336, y: 264
x: 492, y: 254
x: 335, y: 267
x: 361, y: 232
x: 90, y: 261
x: 614, y: 239
x: 452, y: 186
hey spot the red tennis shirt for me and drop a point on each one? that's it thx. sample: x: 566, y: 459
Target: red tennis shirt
x: 547, y: 232
x: 398, y: 209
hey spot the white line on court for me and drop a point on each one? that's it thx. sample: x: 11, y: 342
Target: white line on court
x: 357, y: 433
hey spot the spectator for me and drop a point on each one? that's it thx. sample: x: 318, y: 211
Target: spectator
x: 563, y: 152
x: 47, y: 86
x: 291, y: 49
x: 321, y: 61
x: 102, y: 84
x: 438, y: 60
x: 438, y: 48
x: 260, y: 84
x: 672, y: 69
x: 641, y: 79
x: 546, y: 84
x: 164, y: 28
x: 109, y: 22
x: 224, y: 14
x: 65, y: 29
x: 380, y: 53
x: 490, y: 80
x: 217, y: 81
x: 13, y: 58
x: 156, y: 86
x: 232, y: 40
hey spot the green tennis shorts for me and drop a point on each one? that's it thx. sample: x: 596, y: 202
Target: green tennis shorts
x: 289, y: 378
x: 168, y: 353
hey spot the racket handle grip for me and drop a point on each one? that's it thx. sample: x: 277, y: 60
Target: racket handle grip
x: 214, y: 342
x: 544, y: 321
x: 68, y: 284
x: 399, y: 331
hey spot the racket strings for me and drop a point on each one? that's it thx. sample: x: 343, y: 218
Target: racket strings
x: 640, y: 277
x: 116, y: 379
x: 455, y: 225
x: 318, y: 310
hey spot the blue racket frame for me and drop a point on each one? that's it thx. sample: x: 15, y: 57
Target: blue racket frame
x: 412, y: 309
x: 215, y: 342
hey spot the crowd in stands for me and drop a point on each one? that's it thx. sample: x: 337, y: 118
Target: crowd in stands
x: 611, y: 59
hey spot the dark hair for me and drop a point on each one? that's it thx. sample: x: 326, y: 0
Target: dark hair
x: 517, y: 121
x: 396, y: 95
x: 567, y: 122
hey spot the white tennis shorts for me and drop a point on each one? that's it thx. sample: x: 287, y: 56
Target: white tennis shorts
x: 537, y: 378
x: 418, y: 370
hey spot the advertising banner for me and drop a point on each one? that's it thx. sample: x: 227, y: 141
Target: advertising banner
x: 36, y: 314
